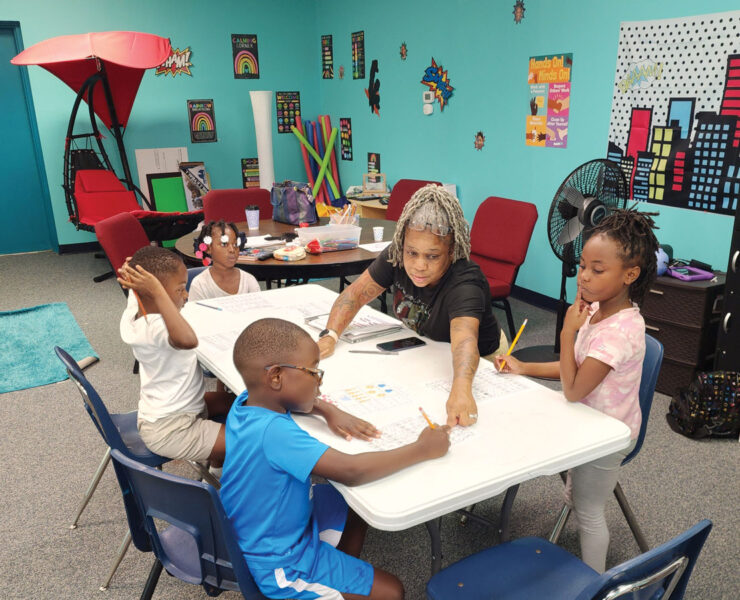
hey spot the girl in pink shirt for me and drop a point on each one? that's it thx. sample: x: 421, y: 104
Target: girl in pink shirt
x: 602, y: 347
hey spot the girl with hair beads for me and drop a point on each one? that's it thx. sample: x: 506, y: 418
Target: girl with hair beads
x: 218, y: 245
x: 602, y: 348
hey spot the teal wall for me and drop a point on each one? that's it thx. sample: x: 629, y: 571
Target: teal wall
x: 486, y: 55
x: 159, y: 116
x: 478, y: 43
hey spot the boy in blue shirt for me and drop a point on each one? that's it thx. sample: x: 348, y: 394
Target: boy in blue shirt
x: 286, y: 527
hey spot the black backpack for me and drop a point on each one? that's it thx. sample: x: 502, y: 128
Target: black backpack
x: 710, y: 406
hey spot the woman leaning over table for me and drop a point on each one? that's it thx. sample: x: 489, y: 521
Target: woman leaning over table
x: 437, y: 291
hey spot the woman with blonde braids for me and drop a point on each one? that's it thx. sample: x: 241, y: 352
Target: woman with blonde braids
x: 437, y: 291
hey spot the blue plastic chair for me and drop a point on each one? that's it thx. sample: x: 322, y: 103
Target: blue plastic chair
x: 531, y: 567
x: 193, y: 272
x: 199, y: 545
x: 650, y: 369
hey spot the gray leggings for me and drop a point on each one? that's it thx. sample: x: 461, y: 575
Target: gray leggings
x: 587, y: 490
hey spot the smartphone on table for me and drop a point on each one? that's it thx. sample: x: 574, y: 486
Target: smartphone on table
x: 402, y: 344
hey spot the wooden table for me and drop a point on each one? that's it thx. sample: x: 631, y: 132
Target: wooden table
x: 370, y: 209
x: 314, y: 266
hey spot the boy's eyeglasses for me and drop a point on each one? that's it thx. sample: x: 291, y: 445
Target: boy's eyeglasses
x: 317, y: 373
x: 435, y: 228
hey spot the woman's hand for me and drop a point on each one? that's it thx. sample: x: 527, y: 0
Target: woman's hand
x: 326, y: 346
x: 348, y: 426
x: 577, y: 315
x: 434, y: 442
x: 461, y: 406
x: 510, y: 364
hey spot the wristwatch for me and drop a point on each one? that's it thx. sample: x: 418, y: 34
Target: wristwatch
x: 331, y: 333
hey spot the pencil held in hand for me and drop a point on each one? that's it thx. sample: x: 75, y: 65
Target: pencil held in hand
x: 516, y: 339
x: 428, y: 420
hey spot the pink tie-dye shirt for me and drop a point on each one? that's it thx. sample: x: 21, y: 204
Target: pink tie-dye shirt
x: 618, y: 341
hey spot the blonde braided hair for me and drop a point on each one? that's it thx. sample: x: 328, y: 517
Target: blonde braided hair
x: 435, y: 205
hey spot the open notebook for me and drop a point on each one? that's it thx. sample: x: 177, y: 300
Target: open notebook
x: 364, y: 326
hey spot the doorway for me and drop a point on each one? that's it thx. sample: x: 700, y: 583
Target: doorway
x: 26, y: 217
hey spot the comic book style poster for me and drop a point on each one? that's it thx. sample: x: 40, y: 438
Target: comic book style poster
x: 250, y: 173
x: 202, y: 121
x: 177, y: 63
x: 196, y: 183
x: 288, y: 108
x: 327, y: 57
x: 438, y: 81
x: 674, y: 128
x: 345, y: 138
x: 549, y: 100
x: 358, y: 55
x: 245, y: 55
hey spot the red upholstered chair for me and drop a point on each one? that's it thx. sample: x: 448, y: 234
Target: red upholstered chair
x: 499, y: 239
x: 100, y: 194
x: 120, y: 236
x: 229, y: 205
x: 401, y: 194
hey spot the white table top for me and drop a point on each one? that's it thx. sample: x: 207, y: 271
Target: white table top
x: 521, y: 433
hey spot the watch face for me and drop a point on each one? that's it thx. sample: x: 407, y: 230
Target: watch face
x: 323, y: 333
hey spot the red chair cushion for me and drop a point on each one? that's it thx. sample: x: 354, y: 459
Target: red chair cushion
x: 120, y: 236
x: 97, y: 180
x: 401, y: 194
x: 229, y: 205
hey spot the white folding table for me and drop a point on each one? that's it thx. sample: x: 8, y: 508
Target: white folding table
x: 519, y: 435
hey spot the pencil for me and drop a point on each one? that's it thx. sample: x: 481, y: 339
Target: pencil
x: 208, y: 305
x: 423, y: 414
x: 516, y: 339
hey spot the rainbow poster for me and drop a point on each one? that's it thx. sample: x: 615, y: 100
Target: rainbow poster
x: 288, y: 106
x: 246, y: 56
x: 202, y: 121
x: 327, y: 57
x: 250, y: 172
x: 358, y: 55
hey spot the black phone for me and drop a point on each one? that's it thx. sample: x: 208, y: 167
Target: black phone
x: 402, y: 344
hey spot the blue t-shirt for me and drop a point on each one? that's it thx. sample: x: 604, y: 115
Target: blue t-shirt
x: 266, y: 485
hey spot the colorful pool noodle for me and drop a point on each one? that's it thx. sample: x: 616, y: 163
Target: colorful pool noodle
x: 319, y: 141
x: 326, y: 123
x: 304, y: 153
x: 324, y: 174
x: 313, y: 153
x: 317, y: 192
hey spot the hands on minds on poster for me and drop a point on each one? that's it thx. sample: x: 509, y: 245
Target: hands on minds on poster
x: 549, y: 100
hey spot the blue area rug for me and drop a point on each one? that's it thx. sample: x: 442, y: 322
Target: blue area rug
x: 27, y: 340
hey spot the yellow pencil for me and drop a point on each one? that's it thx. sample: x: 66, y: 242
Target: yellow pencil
x: 516, y: 339
x: 423, y: 414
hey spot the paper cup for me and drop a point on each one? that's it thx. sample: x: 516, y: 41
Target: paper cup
x: 378, y: 234
x: 253, y: 217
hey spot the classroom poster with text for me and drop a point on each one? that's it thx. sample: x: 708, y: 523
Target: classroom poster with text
x: 246, y: 56
x: 202, y: 121
x: 250, y: 173
x: 288, y: 106
x: 549, y: 100
x: 345, y: 137
x: 358, y: 55
x: 327, y: 57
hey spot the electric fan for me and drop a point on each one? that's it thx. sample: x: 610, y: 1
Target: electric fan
x: 582, y: 201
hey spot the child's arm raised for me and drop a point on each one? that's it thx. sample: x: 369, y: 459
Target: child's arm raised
x: 152, y: 292
x: 578, y: 382
x: 356, y: 469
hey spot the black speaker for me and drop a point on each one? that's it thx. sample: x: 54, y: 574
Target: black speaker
x: 727, y: 357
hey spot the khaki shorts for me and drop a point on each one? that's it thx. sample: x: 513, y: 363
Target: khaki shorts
x: 503, y: 346
x: 186, y: 436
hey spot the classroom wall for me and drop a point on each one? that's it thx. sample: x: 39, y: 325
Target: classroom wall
x: 486, y: 55
x: 284, y: 28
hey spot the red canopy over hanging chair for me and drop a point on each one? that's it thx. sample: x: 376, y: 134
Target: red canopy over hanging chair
x: 105, y: 70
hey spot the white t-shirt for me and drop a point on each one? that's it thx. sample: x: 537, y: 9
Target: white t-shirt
x: 171, y: 379
x: 203, y: 286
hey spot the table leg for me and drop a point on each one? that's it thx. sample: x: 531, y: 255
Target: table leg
x: 435, y: 537
x: 503, y: 524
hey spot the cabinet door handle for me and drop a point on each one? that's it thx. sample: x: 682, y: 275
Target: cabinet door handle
x: 734, y: 261
x: 651, y: 327
x: 725, y: 322
x: 658, y: 292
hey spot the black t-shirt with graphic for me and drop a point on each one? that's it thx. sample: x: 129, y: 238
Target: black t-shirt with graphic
x: 462, y: 292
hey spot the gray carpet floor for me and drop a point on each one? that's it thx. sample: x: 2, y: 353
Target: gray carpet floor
x: 50, y: 450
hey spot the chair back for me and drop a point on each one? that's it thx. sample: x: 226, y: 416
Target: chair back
x: 193, y: 272
x: 499, y: 239
x: 120, y: 236
x: 650, y: 369
x: 662, y: 572
x: 229, y: 205
x: 401, y: 194
x: 199, y: 546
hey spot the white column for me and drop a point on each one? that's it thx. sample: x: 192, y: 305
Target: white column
x: 262, y: 110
